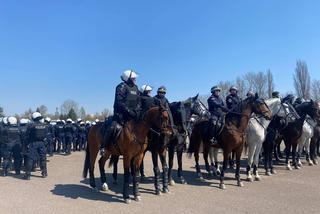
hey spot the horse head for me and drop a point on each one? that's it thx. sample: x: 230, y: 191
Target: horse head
x: 194, y: 105
x: 260, y: 107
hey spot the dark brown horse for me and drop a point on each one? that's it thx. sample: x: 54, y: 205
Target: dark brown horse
x: 231, y: 138
x: 131, y: 144
x: 292, y: 132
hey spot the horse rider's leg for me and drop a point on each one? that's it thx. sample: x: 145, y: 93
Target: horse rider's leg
x: 163, y: 155
x: 238, y: 153
x: 171, y: 157
x: 156, y: 172
x: 126, y: 168
x: 103, y: 178
x: 115, y: 160
x: 226, y: 154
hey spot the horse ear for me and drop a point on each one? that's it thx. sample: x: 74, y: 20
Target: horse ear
x: 256, y: 96
x: 196, y: 97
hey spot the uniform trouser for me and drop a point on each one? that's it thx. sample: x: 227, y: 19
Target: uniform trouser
x: 36, y: 150
x: 8, y: 151
x: 68, y: 143
x: 61, y: 143
x: 82, y: 142
x: 76, y: 143
x: 49, y: 146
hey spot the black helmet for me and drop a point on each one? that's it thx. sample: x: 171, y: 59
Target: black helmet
x: 162, y: 89
x: 215, y: 88
x: 276, y: 94
x: 250, y: 94
x: 299, y: 100
x: 233, y: 88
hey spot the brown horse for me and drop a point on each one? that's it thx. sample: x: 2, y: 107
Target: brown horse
x: 231, y: 138
x: 131, y: 144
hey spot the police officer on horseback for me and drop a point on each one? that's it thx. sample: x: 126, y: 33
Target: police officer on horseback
x: 147, y: 100
x: 217, y: 109
x: 233, y: 100
x: 275, y: 94
x: 126, y: 107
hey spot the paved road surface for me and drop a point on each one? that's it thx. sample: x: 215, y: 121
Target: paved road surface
x: 64, y: 191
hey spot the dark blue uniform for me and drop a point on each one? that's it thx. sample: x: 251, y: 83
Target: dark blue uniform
x: 60, y: 136
x: 82, y: 136
x: 11, y: 147
x: 216, y: 106
x: 233, y: 102
x: 24, y: 141
x: 50, y: 139
x: 69, y: 132
x: 37, y: 133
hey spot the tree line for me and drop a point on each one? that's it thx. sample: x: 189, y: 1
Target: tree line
x: 261, y: 82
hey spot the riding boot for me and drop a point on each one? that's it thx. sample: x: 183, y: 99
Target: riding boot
x: 106, y: 139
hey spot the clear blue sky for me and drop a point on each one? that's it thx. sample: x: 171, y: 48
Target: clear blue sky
x: 54, y: 50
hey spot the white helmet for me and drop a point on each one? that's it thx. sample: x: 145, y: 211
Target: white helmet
x: 128, y: 74
x: 145, y: 88
x: 41, y: 120
x: 23, y: 121
x: 79, y: 120
x: 93, y: 123
x: 69, y: 120
x: 36, y: 115
x: 12, y: 120
x: 47, y: 119
x: 5, y: 120
x: 88, y: 122
x: 97, y: 120
x: 82, y: 123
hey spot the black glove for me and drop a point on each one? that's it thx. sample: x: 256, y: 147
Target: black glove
x: 132, y: 114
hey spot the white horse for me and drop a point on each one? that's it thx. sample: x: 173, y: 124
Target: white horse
x: 305, y: 139
x: 256, y: 133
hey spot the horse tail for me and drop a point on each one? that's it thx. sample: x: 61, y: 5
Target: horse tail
x: 86, y: 163
x: 113, y: 159
x: 195, y: 140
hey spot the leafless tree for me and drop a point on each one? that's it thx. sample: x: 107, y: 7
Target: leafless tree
x: 301, y: 79
x: 42, y: 109
x: 257, y: 82
x: 68, y: 105
x: 315, y: 90
x: 241, y: 85
x: 225, y: 86
x: 270, y: 83
x: 82, y: 113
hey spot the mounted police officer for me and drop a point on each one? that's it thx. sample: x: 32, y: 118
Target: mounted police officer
x: 147, y: 100
x: 250, y: 94
x: 288, y: 99
x: 233, y: 100
x: 217, y: 109
x: 275, y: 94
x: 126, y: 107
x: 37, y: 133
x: 12, y: 146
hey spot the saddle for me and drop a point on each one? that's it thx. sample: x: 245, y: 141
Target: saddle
x: 111, y: 131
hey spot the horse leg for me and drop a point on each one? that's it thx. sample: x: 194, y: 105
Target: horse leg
x: 287, y: 150
x: 308, y: 152
x: 171, y: 158
x: 164, y: 171
x: 196, y: 158
x: 238, y: 157
x: 215, y: 161
x: 126, y: 168
x: 256, y: 160
x: 180, y: 171
x: 136, y: 167
x: 205, y: 157
x: 115, y: 169
x: 103, y: 178
x: 224, y: 167
x: 250, y: 160
x: 156, y: 172
x: 300, y: 150
x: 294, y: 152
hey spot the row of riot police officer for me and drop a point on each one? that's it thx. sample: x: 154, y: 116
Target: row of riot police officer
x: 28, y: 142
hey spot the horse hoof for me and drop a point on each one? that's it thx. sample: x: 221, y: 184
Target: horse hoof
x: 315, y: 162
x: 249, y: 179
x: 166, y: 191
x: 257, y: 178
x: 182, y: 180
x: 222, y: 186
x: 268, y: 174
x: 172, y: 183
x: 300, y: 164
x: 310, y: 163
x: 289, y: 168
x: 273, y: 172
x: 240, y: 184
x: 158, y: 193
x: 105, y: 187
x: 127, y: 201
x: 138, y: 198
x: 297, y: 167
